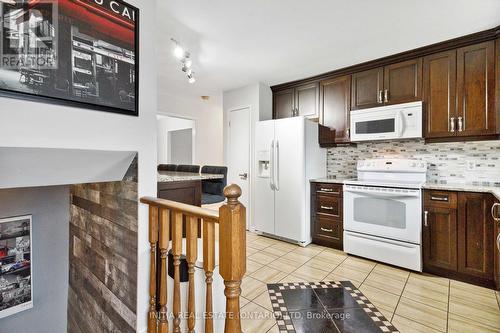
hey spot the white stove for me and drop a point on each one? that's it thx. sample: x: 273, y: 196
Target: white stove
x: 383, y: 209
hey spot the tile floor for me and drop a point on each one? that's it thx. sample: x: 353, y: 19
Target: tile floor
x: 412, y: 302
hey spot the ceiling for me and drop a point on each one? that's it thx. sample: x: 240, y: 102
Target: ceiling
x: 234, y: 42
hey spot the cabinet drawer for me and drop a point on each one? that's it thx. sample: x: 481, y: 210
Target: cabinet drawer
x: 443, y: 199
x: 329, y: 205
x: 325, y: 228
x: 329, y: 189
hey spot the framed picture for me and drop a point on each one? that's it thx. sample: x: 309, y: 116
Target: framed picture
x: 81, y: 53
x: 16, y: 271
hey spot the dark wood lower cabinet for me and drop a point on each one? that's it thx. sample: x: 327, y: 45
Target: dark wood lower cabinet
x: 459, y: 236
x: 327, y: 225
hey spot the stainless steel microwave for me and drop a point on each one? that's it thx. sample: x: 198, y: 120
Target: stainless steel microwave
x: 401, y: 121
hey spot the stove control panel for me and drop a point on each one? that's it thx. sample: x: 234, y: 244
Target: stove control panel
x: 392, y: 165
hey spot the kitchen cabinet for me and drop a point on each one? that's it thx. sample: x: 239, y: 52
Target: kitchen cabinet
x: 335, y: 108
x: 458, y: 236
x: 495, y: 213
x: 367, y: 89
x: 476, y: 114
x: 302, y: 100
x: 327, y: 214
x: 393, y: 84
x: 439, y: 94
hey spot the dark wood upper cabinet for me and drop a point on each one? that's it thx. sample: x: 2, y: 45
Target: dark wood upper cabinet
x: 403, y: 82
x: 440, y: 238
x: 367, y: 89
x: 476, y: 113
x: 283, y: 103
x: 335, y: 108
x: 439, y: 94
x: 307, y: 100
x: 475, y: 235
x: 302, y: 100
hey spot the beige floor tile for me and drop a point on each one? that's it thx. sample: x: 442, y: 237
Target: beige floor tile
x: 292, y: 278
x: 264, y: 301
x: 393, y: 272
x: 251, y: 250
x: 388, y: 314
x: 427, y: 291
x: 386, y: 282
x: 350, y: 273
x: 405, y: 325
x: 275, y: 251
x: 268, y: 275
x: 252, y: 266
x: 285, y: 265
x: 475, y: 312
x: 243, y: 301
x: 298, y: 258
x: 256, y: 319
x: 319, y: 263
x: 310, y: 273
x: 430, y: 278
x: 262, y: 258
x: 477, y: 297
x: 338, y: 277
x: 332, y: 256
x: 258, y: 244
x: 359, y: 264
x: 422, y: 313
x: 309, y: 251
x: 285, y: 246
x: 458, y: 324
x: 380, y: 298
x: 251, y: 288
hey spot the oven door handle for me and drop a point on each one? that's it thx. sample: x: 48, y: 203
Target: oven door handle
x: 384, y: 194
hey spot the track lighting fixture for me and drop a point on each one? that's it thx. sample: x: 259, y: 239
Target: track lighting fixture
x: 185, y: 58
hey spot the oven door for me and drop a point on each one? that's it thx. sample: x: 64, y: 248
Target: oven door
x: 387, y: 212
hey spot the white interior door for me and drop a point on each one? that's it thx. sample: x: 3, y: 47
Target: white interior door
x: 239, y: 153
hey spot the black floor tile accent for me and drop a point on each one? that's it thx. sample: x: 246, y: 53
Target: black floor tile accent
x: 336, y: 307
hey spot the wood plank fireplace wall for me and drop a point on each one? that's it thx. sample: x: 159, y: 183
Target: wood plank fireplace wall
x: 103, y: 256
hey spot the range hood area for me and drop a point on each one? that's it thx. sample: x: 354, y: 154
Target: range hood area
x: 33, y: 167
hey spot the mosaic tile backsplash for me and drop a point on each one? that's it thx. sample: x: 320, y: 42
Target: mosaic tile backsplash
x: 448, y: 163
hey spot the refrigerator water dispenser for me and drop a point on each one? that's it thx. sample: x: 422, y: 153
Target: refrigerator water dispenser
x: 263, y: 158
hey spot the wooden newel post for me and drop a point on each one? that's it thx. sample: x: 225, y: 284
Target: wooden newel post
x: 153, y: 241
x: 232, y: 254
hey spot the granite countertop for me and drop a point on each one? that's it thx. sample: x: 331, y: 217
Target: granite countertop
x: 330, y: 180
x: 464, y: 187
x: 176, y: 176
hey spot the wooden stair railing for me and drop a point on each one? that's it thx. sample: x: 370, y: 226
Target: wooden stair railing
x: 232, y: 259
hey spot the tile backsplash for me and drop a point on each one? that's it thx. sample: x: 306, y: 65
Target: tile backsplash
x: 458, y: 162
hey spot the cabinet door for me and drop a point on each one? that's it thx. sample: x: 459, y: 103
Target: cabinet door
x: 439, y: 93
x: 335, y: 106
x: 497, y: 254
x: 440, y: 238
x: 367, y: 88
x: 476, y: 90
x: 307, y: 100
x: 283, y: 103
x: 403, y: 82
x: 475, y: 235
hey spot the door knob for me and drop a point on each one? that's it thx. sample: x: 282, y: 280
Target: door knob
x: 243, y: 176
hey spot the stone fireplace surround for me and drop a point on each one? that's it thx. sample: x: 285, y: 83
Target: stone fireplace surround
x: 84, y: 271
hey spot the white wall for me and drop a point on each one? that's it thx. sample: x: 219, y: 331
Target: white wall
x: 28, y: 124
x: 209, y: 123
x: 165, y: 125
x: 258, y: 97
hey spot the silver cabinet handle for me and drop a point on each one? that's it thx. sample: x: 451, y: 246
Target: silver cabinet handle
x: 452, y: 124
x: 326, y: 207
x: 347, y: 132
x: 379, y: 100
x: 494, y: 214
x: 460, y: 124
x: 498, y: 242
x: 439, y: 198
x: 386, y: 95
x: 326, y: 230
x: 328, y: 190
x: 426, y: 218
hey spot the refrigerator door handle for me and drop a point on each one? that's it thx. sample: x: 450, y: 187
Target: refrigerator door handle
x: 277, y: 169
x: 271, y: 177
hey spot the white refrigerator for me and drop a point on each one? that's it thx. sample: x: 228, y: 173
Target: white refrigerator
x: 287, y: 157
